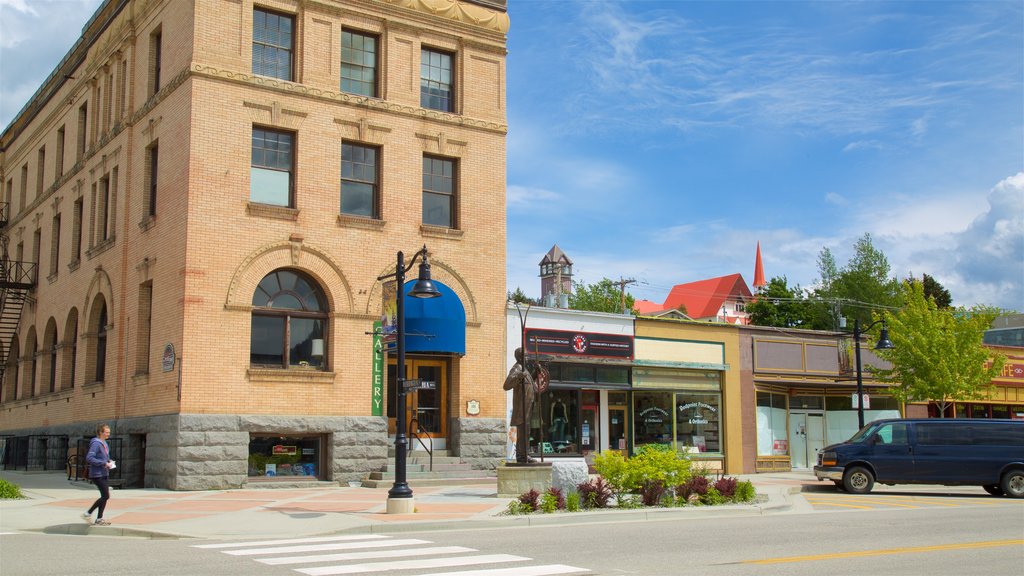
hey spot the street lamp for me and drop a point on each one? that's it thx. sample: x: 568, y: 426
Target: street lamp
x: 400, y: 495
x: 883, y: 344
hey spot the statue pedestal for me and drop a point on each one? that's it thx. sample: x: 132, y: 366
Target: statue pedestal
x: 515, y: 478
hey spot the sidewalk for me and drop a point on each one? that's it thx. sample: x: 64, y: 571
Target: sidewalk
x: 53, y: 505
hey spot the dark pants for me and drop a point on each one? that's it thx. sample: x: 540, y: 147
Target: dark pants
x: 103, y: 483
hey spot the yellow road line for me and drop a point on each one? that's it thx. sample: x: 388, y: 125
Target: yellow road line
x: 823, y: 503
x: 876, y: 501
x: 909, y: 550
x: 939, y: 500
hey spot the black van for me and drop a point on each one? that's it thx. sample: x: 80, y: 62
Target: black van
x: 951, y: 452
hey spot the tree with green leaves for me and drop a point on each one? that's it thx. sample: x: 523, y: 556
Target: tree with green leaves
x: 779, y: 305
x: 860, y: 286
x: 520, y: 297
x: 938, y: 353
x: 604, y: 296
x: 937, y: 292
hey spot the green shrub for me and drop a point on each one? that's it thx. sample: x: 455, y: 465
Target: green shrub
x: 697, y: 485
x: 611, y: 466
x: 651, y: 492
x: 652, y: 462
x: 572, y: 502
x: 595, y: 493
x: 516, y: 508
x: 530, y: 499
x: 548, y: 502
x: 712, y: 497
x: 10, y: 491
x: 744, y: 492
x: 726, y: 486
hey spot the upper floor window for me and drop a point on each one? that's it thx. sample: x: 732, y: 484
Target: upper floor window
x: 270, y: 178
x: 359, y: 180
x: 358, y: 63
x: 152, y: 169
x: 272, y: 44
x: 439, y: 188
x: 436, y: 80
x: 289, y: 320
x: 155, y: 60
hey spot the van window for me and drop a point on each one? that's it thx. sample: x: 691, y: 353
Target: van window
x: 895, y: 433
x: 998, y: 435
x: 943, y: 434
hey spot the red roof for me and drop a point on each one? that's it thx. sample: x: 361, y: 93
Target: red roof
x: 704, y: 298
x: 646, y: 306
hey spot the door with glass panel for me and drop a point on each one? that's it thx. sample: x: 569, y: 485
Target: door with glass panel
x: 425, y: 410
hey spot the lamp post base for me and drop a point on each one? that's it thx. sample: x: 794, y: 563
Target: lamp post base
x: 401, y: 506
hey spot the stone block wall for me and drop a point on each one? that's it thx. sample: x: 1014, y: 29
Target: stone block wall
x: 478, y: 441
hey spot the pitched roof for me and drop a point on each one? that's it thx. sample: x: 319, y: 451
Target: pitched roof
x: 704, y: 298
x: 646, y: 306
x: 555, y: 255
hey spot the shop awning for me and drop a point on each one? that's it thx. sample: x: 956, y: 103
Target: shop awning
x: 435, y: 325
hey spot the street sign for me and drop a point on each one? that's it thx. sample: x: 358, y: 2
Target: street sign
x: 867, y: 401
x: 418, y: 384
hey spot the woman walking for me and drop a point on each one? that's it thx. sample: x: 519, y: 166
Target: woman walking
x: 100, y: 464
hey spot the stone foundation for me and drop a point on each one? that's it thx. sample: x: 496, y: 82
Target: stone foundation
x: 211, y: 452
x: 478, y: 441
x: 515, y: 479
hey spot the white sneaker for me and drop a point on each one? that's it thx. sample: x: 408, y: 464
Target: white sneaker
x: 87, y: 517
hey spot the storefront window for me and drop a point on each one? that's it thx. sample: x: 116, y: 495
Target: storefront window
x: 653, y: 416
x: 271, y: 456
x: 554, y: 423
x: 979, y: 411
x: 1000, y: 411
x: 771, y: 424
x: 698, y: 421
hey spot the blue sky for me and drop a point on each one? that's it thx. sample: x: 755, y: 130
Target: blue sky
x: 662, y: 140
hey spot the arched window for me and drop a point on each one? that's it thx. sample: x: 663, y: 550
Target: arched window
x: 49, y: 352
x: 28, y: 389
x: 11, y: 372
x: 70, y: 352
x: 289, y: 320
x: 101, y: 343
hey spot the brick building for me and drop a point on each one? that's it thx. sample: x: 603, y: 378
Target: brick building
x: 199, y: 201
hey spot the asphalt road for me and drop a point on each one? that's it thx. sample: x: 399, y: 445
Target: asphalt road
x: 974, y: 537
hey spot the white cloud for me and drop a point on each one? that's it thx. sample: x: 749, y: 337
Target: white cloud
x: 527, y: 197
x: 836, y: 199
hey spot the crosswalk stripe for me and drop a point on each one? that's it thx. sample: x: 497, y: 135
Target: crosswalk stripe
x: 293, y: 541
x: 548, y: 570
x: 351, y: 546
x: 296, y: 549
x: 366, y: 555
x: 410, y: 564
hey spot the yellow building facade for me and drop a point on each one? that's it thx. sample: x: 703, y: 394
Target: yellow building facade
x: 202, y: 197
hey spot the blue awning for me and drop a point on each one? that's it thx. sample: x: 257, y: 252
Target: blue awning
x: 435, y: 325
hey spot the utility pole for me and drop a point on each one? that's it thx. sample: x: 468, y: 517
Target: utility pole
x: 622, y: 290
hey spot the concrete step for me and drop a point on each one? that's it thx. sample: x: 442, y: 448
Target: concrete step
x: 410, y: 474
x: 428, y: 482
x: 425, y: 467
x: 284, y: 482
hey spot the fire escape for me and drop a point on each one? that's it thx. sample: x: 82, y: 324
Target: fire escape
x: 16, y: 281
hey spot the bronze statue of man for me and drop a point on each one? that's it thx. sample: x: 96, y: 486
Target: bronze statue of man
x: 520, y: 382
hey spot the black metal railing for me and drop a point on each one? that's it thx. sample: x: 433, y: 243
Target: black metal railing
x: 78, y: 468
x: 17, y: 273
x: 414, y: 430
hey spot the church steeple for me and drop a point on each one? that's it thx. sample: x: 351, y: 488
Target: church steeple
x: 758, y: 270
x: 555, y: 276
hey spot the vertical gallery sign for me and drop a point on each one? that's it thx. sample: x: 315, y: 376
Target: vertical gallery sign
x: 377, y: 386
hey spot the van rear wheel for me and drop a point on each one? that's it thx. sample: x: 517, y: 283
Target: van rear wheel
x: 1013, y: 483
x: 858, y: 480
x: 993, y: 489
